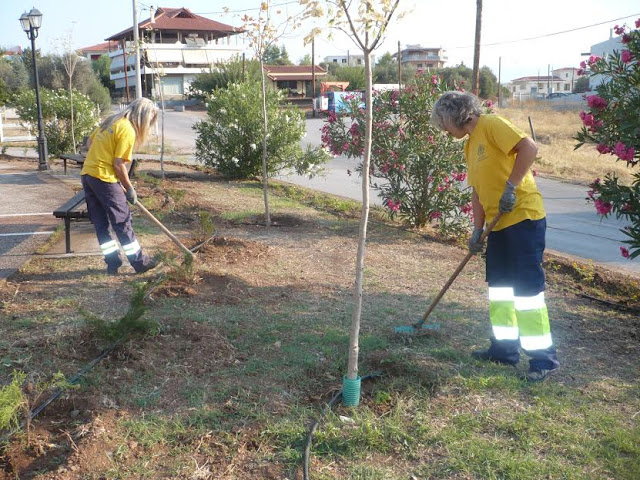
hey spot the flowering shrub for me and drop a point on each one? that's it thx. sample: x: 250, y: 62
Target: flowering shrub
x: 230, y: 140
x: 56, y: 112
x: 612, y: 124
x: 418, y: 170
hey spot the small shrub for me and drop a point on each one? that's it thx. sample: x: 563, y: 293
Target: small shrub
x: 56, y: 111
x: 418, y: 170
x: 230, y: 140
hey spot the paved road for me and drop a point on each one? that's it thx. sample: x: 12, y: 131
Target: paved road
x: 573, y: 226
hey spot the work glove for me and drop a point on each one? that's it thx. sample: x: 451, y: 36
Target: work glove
x: 508, y: 198
x: 475, y: 245
x: 132, y: 198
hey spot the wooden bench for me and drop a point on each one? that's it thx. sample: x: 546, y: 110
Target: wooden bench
x: 75, y: 208
x: 79, y: 159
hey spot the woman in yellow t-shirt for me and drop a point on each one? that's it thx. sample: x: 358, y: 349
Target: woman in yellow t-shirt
x: 105, y: 174
x: 499, y: 157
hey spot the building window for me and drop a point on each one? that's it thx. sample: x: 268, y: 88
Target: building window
x: 359, y: 61
x: 335, y: 60
x: 344, y: 60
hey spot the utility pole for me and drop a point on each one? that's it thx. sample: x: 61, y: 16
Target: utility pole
x: 126, y: 71
x: 499, y: 84
x: 313, y: 76
x: 548, y: 79
x: 137, y: 47
x: 476, y: 52
x: 399, y: 67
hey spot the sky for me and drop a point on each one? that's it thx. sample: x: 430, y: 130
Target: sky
x: 519, y: 41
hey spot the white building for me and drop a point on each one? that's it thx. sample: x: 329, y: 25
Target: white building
x: 175, y: 44
x: 604, y: 49
x: 348, y: 60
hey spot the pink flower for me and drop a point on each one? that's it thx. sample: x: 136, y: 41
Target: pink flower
x: 587, y: 119
x: 626, y: 56
x: 435, y: 215
x: 619, y: 30
x: 593, y: 59
x: 624, y: 252
x: 596, y: 102
x: 603, y: 208
x: 434, y: 79
x: 466, y: 208
x: 603, y: 149
x: 488, y: 104
x: 393, y: 205
x: 580, y: 72
x: 638, y: 23
x: 624, y: 153
x: 626, y: 38
x: 583, y: 65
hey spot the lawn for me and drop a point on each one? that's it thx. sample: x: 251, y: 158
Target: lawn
x: 237, y: 355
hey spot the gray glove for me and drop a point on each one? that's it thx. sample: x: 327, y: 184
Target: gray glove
x: 132, y: 198
x: 508, y: 198
x: 475, y: 246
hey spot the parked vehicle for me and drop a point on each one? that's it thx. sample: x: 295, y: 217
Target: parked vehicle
x: 336, y: 102
x: 558, y: 95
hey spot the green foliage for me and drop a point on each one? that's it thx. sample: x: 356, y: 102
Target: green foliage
x: 354, y: 75
x: 13, y: 78
x: 386, y: 71
x: 462, y: 76
x: 581, y: 85
x: 417, y: 169
x: 131, y: 323
x: 273, y: 55
x: 56, y: 111
x: 612, y: 123
x: 12, y: 401
x: 222, y: 75
x: 230, y: 140
x: 306, y: 60
x: 102, y: 68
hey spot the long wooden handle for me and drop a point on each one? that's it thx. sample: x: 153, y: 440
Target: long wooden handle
x: 455, y: 274
x: 166, y: 231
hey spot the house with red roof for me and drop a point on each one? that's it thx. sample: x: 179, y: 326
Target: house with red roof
x: 296, y: 80
x: 94, y: 52
x: 175, y: 46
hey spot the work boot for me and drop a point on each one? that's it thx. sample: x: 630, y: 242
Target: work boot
x: 151, y: 264
x: 112, y: 267
x: 484, y: 355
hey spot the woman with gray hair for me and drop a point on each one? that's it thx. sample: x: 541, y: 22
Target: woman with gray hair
x: 110, y: 149
x: 499, y: 157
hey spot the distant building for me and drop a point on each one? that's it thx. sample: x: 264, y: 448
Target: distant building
x: 422, y: 57
x: 348, y: 60
x: 604, y: 49
x: 175, y: 43
x: 296, y: 80
x: 94, y: 52
x: 11, y: 51
x: 561, y: 80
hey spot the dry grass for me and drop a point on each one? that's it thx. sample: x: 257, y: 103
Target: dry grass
x: 555, y: 131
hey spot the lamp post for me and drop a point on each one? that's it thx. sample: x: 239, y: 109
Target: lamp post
x: 31, y: 23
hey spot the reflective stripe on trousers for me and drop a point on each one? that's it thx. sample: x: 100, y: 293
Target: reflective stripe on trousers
x: 519, y: 317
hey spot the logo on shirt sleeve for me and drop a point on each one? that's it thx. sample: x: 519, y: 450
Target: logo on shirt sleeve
x: 480, y: 153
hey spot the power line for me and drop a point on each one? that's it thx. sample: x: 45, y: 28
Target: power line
x: 245, y: 9
x: 552, y: 34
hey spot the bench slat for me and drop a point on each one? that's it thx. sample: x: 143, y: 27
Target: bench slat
x: 67, y: 209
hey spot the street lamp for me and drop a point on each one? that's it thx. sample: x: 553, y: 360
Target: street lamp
x: 31, y: 23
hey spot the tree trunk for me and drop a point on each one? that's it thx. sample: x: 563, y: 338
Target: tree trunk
x: 73, y: 127
x: 265, y: 129
x: 162, y: 130
x: 354, y: 332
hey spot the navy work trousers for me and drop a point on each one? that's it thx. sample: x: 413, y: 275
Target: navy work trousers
x: 107, y: 205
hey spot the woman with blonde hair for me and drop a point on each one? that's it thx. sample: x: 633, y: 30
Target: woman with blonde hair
x: 106, y: 183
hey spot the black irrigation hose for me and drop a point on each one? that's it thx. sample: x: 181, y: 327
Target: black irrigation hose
x: 36, y: 411
x: 314, y: 425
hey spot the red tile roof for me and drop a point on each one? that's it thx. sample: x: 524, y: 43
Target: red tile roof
x: 179, y: 19
x: 99, y: 47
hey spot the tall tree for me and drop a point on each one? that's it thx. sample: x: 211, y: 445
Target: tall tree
x: 365, y: 21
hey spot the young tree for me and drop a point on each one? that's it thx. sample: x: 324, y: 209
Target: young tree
x: 263, y: 34
x: 69, y: 62
x: 612, y: 124
x: 365, y: 21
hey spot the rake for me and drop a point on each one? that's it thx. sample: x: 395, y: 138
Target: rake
x: 421, y: 326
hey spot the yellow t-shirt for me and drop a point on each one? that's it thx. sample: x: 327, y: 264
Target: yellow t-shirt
x: 490, y: 160
x: 115, y: 142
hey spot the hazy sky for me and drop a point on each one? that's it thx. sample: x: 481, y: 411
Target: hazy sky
x: 526, y: 36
